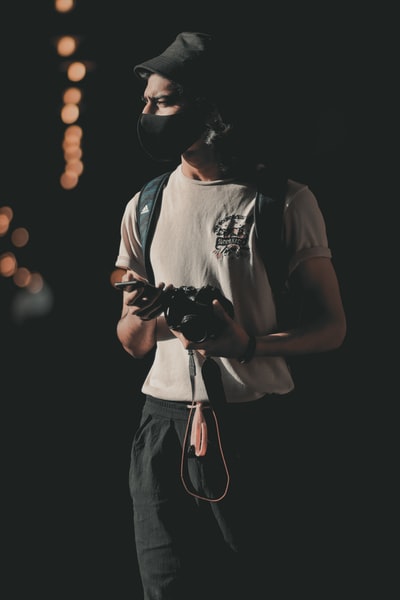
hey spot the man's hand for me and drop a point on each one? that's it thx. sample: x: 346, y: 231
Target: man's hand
x: 231, y: 342
x: 146, y: 299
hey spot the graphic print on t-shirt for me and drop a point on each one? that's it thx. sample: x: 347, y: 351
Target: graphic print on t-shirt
x: 232, y: 236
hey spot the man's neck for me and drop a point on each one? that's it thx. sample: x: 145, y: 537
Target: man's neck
x: 200, y: 163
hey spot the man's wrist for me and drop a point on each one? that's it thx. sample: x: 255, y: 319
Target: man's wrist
x: 249, y: 352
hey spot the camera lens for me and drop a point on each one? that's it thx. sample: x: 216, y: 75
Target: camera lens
x: 189, y: 310
x: 193, y: 328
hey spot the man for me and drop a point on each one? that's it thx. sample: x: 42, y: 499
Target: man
x: 212, y: 473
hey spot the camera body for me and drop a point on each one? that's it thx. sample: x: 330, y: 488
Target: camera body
x: 189, y: 310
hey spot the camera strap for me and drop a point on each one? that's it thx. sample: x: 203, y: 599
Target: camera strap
x: 213, y: 381
x: 197, y: 423
x: 199, y: 433
x: 215, y: 390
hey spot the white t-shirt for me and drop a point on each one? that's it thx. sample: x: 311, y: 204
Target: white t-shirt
x: 205, y: 236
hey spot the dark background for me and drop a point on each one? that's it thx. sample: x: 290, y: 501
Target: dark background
x: 320, y: 80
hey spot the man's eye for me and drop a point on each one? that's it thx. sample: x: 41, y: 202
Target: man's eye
x: 156, y: 102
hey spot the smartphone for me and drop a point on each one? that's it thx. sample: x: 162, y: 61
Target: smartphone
x: 134, y: 284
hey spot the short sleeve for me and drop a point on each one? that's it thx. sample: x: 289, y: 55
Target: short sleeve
x: 130, y: 253
x: 304, y: 225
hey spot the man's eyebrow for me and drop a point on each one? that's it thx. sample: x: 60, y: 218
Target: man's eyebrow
x: 173, y: 96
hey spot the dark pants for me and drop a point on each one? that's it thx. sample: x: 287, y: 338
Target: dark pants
x: 234, y: 547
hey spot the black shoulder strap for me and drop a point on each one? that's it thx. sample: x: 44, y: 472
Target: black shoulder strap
x: 269, y: 228
x: 148, y: 209
x: 270, y: 237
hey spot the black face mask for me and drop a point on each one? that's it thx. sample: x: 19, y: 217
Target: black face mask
x: 165, y: 138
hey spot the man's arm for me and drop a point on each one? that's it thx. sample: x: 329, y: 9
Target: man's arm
x: 140, y: 324
x: 323, y: 329
x: 323, y: 326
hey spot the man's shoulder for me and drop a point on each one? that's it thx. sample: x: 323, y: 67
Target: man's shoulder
x: 294, y: 187
x: 299, y: 192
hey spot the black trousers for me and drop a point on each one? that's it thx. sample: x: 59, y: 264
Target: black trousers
x: 231, y: 524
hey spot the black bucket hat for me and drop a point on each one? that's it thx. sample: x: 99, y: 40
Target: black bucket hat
x: 190, y: 61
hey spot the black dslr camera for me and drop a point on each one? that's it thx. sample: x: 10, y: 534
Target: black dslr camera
x: 189, y: 310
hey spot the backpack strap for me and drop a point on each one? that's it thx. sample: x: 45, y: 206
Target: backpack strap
x: 269, y: 229
x: 148, y: 209
x: 270, y: 238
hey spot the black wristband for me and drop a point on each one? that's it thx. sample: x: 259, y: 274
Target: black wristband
x: 249, y: 352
